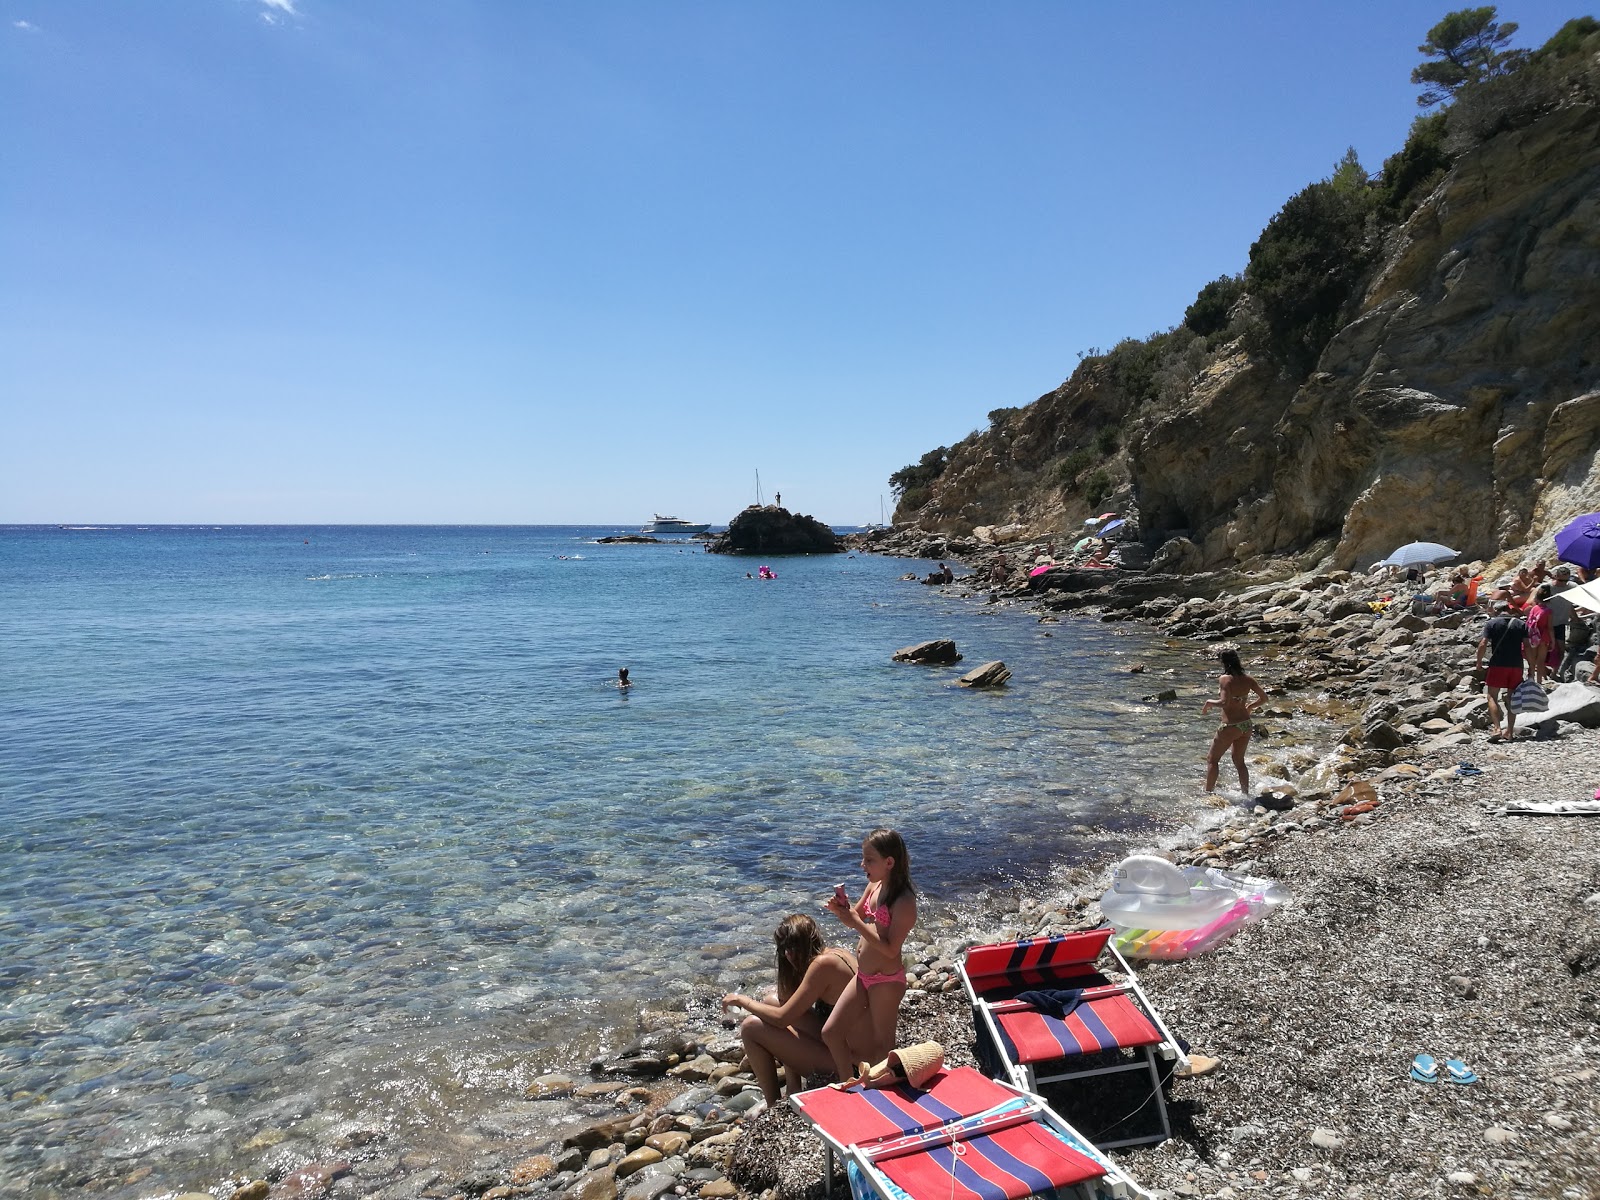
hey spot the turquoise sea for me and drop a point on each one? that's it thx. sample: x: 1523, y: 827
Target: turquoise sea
x: 310, y: 829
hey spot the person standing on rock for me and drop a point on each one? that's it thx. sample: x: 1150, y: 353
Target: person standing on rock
x: 1236, y: 705
x: 811, y: 979
x: 1503, y: 636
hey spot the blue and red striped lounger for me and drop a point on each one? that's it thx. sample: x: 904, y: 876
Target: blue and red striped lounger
x: 856, y: 1116
x: 1036, y: 1046
x: 1066, y: 960
x: 1008, y: 1164
x: 1111, y: 1022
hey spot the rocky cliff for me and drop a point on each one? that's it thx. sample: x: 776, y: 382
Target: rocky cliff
x: 1458, y: 401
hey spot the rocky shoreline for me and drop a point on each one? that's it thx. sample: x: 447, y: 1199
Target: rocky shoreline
x: 1424, y: 922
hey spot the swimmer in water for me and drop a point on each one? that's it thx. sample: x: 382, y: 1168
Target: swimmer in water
x: 622, y: 678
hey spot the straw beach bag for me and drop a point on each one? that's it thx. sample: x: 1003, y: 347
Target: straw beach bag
x: 915, y: 1065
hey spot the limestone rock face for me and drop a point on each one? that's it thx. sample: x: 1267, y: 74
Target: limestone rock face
x: 772, y: 530
x: 1459, y: 402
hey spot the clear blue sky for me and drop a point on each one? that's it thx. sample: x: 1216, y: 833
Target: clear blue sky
x: 521, y: 262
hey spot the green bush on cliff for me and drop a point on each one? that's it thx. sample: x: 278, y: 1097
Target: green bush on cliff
x: 911, y: 485
x: 1559, y: 72
x: 1097, y: 487
x: 1306, y: 263
x: 1414, y: 170
x: 1209, y: 312
x: 1073, y: 465
x: 1578, y: 37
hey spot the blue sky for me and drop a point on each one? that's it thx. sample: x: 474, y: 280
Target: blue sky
x: 520, y: 262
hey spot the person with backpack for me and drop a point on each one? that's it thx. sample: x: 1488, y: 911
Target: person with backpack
x: 1502, y: 637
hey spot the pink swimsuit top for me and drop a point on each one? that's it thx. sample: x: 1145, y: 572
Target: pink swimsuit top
x: 878, y: 916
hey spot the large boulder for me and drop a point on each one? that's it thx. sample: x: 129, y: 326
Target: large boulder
x: 1575, y: 702
x: 939, y: 650
x: 991, y: 674
x: 772, y: 530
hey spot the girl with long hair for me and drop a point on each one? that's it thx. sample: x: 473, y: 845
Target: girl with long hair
x: 883, y: 917
x: 1234, y: 700
x: 811, y: 980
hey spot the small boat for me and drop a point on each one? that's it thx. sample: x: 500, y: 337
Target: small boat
x: 674, y: 525
x: 883, y: 519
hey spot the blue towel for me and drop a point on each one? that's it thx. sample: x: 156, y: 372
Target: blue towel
x: 1053, y: 1002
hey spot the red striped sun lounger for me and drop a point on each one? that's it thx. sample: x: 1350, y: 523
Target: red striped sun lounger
x: 1037, y: 1047
x: 1016, y: 1150
x: 858, y: 1115
x: 1008, y: 1164
x: 1110, y: 1023
x: 865, y: 1116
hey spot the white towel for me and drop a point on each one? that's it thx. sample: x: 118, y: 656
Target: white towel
x: 1553, y: 808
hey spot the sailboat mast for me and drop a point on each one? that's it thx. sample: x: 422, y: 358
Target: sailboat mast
x: 759, y: 500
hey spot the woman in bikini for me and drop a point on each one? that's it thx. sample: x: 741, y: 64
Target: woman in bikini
x: 883, y: 917
x: 1236, y: 705
x: 811, y: 979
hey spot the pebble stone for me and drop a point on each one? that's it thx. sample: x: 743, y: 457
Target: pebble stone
x: 1326, y: 1139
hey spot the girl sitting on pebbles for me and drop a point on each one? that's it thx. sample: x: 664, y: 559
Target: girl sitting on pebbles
x: 811, y: 979
x: 883, y: 917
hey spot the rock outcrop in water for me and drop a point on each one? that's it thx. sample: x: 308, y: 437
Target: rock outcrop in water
x: 1458, y: 399
x: 768, y: 529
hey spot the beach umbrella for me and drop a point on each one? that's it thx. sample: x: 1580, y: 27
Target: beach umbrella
x: 1082, y: 542
x: 1584, y: 595
x: 1416, y: 554
x: 1111, y: 526
x: 1578, y: 542
x: 1040, y: 569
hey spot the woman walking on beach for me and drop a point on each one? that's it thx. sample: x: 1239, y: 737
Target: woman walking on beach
x: 811, y: 980
x: 1236, y: 706
x: 883, y: 917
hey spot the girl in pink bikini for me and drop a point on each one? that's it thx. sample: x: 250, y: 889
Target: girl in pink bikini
x: 883, y: 917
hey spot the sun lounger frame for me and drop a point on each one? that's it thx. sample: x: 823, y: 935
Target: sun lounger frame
x: 1114, y: 1184
x: 1023, y: 1105
x: 1029, y: 1077
x: 833, y: 1145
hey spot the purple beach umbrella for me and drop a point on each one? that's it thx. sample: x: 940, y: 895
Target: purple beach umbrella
x: 1579, y: 542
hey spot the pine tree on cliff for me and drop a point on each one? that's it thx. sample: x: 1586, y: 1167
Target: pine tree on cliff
x: 1468, y: 46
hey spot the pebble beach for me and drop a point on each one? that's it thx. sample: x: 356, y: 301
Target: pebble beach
x: 1427, y: 922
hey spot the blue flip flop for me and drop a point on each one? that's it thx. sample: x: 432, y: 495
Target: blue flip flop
x: 1457, y: 1071
x: 1466, y: 770
x: 1424, y: 1069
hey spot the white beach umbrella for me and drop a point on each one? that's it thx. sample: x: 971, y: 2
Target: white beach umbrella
x: 1584, y: 595
x: 1416, y: 554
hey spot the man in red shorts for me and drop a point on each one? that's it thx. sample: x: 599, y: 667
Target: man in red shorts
x: 1502, y: 637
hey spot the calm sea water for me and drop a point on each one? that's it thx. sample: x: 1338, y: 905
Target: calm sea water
x: 302, y: 829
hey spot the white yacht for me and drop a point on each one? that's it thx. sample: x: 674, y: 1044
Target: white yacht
x: 674, y: 525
